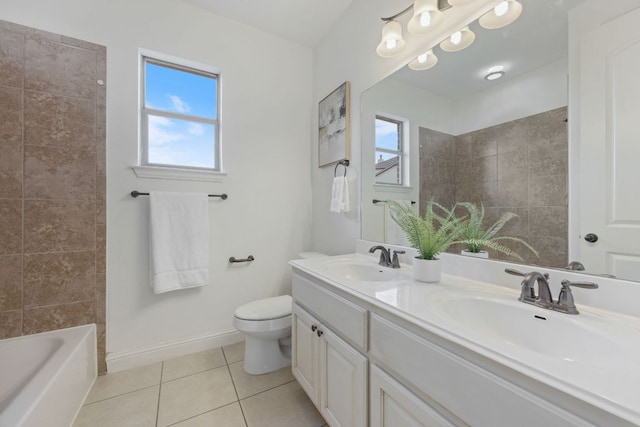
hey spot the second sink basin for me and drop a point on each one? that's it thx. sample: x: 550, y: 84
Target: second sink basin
x: 556, y: 335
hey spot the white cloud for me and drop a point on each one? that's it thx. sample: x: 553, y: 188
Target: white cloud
x: 160, y: 132
x: 384, y: 128
x: 195, y: 129
x: 178, y: 104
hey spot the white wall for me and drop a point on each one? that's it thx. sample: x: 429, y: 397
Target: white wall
x: 348, y: 53
x: 266, y: 126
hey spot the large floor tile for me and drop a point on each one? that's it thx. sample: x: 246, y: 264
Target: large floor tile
x: 248, y: 385
x: 227, y: 416
x: 234, y: 352
x: 284, y: 406
x: 124, y: 382
x: 191, y: 364
x: 194, y: 395
x: 135, y: 409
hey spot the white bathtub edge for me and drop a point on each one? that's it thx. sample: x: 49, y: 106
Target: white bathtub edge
x: 133, y: 359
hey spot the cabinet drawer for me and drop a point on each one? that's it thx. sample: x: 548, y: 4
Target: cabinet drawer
x: 344, y: 317
x: 476, y: 396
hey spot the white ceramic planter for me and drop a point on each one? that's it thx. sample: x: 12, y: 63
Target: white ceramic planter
x: 427, y: 270
x: 481, y: 254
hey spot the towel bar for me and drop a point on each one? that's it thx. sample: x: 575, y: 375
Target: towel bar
x: 376, y: 201
x: 344, y: 163
x: 136, y: 193
x: 247, y: 259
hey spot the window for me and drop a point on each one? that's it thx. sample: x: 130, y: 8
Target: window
x: 180, y: 124
x: 389, y: 154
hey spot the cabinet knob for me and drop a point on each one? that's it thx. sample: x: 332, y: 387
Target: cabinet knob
x: 313, y: 328
x: 319, y: 332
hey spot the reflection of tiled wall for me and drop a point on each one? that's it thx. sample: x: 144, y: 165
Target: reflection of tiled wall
x: 518, y: 166
x: 52, y: 183
x: 437, y: 168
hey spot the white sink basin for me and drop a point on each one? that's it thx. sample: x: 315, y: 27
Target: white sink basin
x: 579, y: 338
x: 357, y: 270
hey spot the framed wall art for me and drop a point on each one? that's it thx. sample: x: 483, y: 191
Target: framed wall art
x: 334, y: 123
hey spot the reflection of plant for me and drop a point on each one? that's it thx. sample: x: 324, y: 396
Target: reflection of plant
x: 476, y: 237
x: 430, y: 234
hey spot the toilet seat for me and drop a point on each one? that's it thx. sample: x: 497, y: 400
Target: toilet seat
x: 265, y: 309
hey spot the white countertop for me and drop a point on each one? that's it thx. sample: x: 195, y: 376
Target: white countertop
x: 604, y: 372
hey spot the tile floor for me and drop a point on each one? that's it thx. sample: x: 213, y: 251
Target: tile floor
x: 209, y: 389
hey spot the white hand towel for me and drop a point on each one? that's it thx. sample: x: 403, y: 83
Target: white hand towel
x: 340, y: 195
x: 179, y: 240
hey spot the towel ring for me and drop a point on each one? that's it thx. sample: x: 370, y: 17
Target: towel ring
x: 344, y: 163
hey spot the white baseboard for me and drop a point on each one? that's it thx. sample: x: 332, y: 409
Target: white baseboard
x: 132, y: 359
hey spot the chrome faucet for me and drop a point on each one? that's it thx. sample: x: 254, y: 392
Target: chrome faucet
x: 565, y: 303
x: 385, y: 257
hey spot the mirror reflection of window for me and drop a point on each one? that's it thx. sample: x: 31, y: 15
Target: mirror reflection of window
x: 389, y: 151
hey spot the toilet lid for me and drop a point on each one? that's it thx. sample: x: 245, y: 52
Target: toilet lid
x: 265, y: 309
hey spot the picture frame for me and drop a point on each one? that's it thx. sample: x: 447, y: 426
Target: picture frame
x: 334, y: 126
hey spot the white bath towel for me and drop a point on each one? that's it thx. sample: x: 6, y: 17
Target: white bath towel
x: 179, y: 240
x: 340, y: 195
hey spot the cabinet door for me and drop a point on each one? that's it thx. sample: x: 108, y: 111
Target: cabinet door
x: 343, y: 382
x: 393, y: 405
x: 304, y: 352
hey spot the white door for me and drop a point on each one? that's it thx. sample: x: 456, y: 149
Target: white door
x: 305, y: 362
x: 392, y: 405
x: 609, y: 147
x: 343, y: 382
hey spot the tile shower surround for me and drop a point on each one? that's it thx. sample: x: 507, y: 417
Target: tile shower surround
x: 52, y: 183
x: 518, y: 166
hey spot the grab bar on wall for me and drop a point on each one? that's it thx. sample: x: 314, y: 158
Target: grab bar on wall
x: 223, y: 196
x: 233, y: 259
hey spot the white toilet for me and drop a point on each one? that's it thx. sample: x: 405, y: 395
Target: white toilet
x: 266, y: 324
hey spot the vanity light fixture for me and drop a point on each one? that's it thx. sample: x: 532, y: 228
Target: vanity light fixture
x: 458, y: 40
x: 494, y: 72
x: 426, y: 16
x: 424, y: 61
x: 392, y: 42
x: 501, y: 15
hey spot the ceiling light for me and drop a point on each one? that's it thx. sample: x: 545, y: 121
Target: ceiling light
x: 494, y: 72
x: 424, y: 61
x: 458, y: 40
x: 392, y: 42
x: 501, y: 15
x: 425, y: 16
x: 460, y: 2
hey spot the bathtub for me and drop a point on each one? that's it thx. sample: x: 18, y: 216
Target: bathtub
x: 44, y: 378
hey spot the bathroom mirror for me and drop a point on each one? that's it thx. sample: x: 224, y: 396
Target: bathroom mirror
x: 502, y: 143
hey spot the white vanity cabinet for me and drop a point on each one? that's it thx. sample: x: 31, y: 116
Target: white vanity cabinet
x: 332, y: 372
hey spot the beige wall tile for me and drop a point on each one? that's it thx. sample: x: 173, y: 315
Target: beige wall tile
x: 10, y: 282
x: 59, y: 68
x: 10, y: 324
x: 10, y: 115
x: 101, y: 248
x: 10, y: 170
x: 59, y: 226
x: 11, y: 58
x: 548, y: 191
x: 49, y: 318
x: 59, y: 173
x: 57, y: 278
x: 10, y: 226
x: 60, y: 121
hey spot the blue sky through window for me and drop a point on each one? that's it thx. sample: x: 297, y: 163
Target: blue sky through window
x: 386, y: 135
x: 176, y: 141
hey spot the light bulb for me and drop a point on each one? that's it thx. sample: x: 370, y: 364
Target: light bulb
x: 456, y: 37
x: 425, y: 19
x: 502, y: 8
x: 423, y: 58
x: 391, y: 43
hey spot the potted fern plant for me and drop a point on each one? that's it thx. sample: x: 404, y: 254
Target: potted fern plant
x: 476, y: 237
x: 432, y: 233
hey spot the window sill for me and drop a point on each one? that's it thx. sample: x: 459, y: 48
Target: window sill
x: 382, y: 188
x: 159, y: 172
